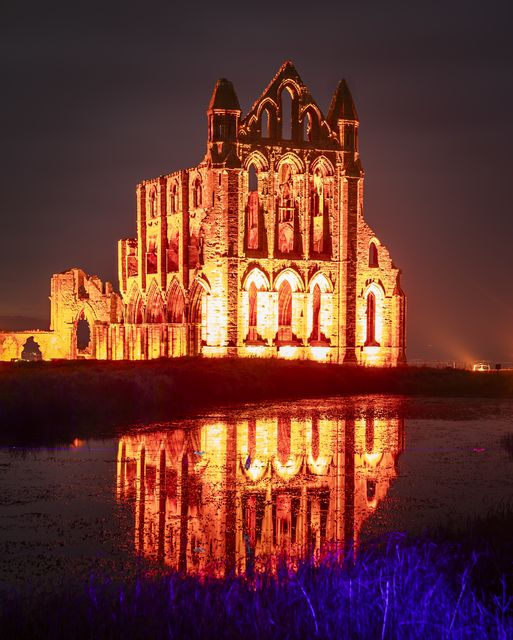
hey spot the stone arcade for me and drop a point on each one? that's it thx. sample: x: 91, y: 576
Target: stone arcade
x: 260, y: 250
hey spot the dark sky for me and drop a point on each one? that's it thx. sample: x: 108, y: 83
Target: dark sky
x: 96, y: 96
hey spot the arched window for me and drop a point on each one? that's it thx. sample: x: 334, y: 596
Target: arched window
x: 373, y: 255
x: 286, y: 209
x: 316, y: 314
x: 154, y: 309
x: 307, y: 127
x: 253, y: 205
x: 139, y: 312
x: 252, y: 209
x: 265, y: 123
x: 371, y: 321
x: 318, y: 195
x: 151, y: 255
x: 286, y: 114
x: 175, y: 306
x: 135, y: 309
x: 252, y: 299
x: 153, y: 202
x: 174, y: 199
x: 310, y: 126
x: 348, y: 137
x: 286, y: 193
x: 318, y: 210
x: 31, y: 350
x: 173, y: 245
x: 285, y: 312
x: 197, y: 196
x: 83, y: 333
x: 252, y: 178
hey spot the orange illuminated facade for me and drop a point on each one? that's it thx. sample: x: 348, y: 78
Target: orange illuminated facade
x: 239, y: 495
x: 260, y: 250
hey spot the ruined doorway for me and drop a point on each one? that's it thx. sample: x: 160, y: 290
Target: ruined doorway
x: 31, y: 351
x: 83, y: 336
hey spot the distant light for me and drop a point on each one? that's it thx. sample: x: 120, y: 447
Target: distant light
x: 481, y: 366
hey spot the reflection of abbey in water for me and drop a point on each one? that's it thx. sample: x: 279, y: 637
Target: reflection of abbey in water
x: 261, y: 249
x: 227, y: 495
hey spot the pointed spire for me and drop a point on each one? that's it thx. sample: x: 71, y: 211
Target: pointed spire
x: 342, y: 105
x: 224, y: 97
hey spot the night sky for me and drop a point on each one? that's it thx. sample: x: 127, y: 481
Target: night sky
x: 97, y: 96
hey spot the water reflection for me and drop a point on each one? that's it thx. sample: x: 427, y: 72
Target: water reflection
x: 235, y: 495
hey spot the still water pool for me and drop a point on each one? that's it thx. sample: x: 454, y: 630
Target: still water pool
x: 238, y: 489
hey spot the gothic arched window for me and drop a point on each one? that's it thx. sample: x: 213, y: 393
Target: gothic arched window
x: 310, y: 129
x: 319, y: 211
x: 286, y: 209
x: 371, y: 321
x: 316, y: 314
x: 265, y: 123
x: 286, y: 114
x: 252, y: 299
x: 153, y: 202
x: 175, y: 306
x: 285, y: 312
x: 252, y: 209
x: 174, y: 198
x: 373, y: 255
x: 197, y: 195
x: 151, y: 255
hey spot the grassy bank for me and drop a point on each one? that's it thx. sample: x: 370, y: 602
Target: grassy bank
x: 60, y: 400
x: 397, y: 588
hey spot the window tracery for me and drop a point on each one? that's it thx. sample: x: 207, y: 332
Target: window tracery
x: 286, y: 208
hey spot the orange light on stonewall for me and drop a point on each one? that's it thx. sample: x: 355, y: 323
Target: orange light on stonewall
x: 244, y: 254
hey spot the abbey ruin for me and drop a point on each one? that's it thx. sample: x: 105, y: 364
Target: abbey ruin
x: 260, y: 250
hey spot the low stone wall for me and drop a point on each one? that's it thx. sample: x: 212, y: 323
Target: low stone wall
x: 32, y: 345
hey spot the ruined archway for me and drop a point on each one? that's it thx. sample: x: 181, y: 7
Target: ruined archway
x: 31, y: 350
x: 83, y: 334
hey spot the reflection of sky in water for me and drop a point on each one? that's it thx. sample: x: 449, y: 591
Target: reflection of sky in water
x: 239, y: 489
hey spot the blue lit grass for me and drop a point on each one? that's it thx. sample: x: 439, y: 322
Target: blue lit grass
x: 396, y: 588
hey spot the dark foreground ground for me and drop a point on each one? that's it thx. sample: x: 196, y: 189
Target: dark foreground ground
x: 445, y: 585
x: 62, y: 400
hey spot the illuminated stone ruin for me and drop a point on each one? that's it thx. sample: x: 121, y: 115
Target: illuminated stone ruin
x: 260, y: 250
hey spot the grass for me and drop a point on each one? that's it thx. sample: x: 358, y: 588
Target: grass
x: 59, y: 401
x: 396, y: 588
